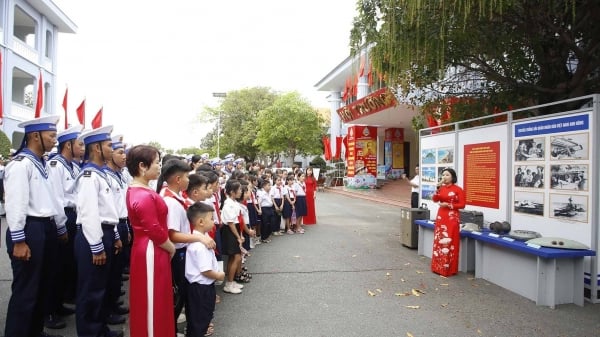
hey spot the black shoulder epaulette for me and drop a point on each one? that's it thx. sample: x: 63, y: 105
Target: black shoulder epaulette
x: 53, y: 163
x: 18, y: 158
x: 87, y: 173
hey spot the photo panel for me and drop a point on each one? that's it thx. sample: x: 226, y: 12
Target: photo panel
x: 569, y: 147
x: 530, y: 149
x: 531, y: 203
x: 428, y: 174
x: 445, y: 155
x: 428, y: 156
x: 529, y: 176
x: 427, y: 191
x: 569, y: 207
x: 573, y: 177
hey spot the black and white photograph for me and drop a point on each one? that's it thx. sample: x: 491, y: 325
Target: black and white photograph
x: 530, y: 149
x: 569, y: 207
x: 572, y: 177
x: 569, y: 147
x: 531, y: 176
x: 529, y: 203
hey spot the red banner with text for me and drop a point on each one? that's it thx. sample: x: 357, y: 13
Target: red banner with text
x: 362, y: 150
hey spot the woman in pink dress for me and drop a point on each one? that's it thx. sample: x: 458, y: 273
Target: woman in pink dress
x: 311, y: 188
x: 150, y: 285
x: 446, y: 233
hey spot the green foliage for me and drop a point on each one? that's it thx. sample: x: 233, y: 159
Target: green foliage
x: 191, y: 150
x: 289, y: 125
x: 156, y: 145
x: 500, y: 54
x: 4, y: 145
x: 319, y: 162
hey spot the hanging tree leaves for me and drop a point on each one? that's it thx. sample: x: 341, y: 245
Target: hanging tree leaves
x: 494, y: 53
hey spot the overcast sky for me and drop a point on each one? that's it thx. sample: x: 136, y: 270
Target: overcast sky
x: 154, y: 65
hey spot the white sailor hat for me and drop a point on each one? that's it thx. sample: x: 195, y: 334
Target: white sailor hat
x: 215, y: 161
x: 46, y: 123
x: 230, y: 156
x: 239, y: 160
x: 117, y: 142
x: 96, y: 135
x: 69, y: 134
x: 204, y: 156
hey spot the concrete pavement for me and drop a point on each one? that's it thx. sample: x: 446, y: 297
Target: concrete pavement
x: 350, y: 276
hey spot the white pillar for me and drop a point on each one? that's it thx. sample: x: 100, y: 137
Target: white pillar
x: 335, y: 102
x: 363, y: 87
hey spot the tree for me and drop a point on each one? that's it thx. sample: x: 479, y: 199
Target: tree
x: 191, y: 150
x: 156, y: 145
x: 495, y: 53
x: 4, y: 145
x: 289, y: 125
x: 238, y: 112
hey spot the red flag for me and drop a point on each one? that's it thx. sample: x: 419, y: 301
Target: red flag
x: 327, y: 148
x: 1, y: 105
x: 338, y: 147
x: 40, y: 97
x: 361, y: 70
x: 370, y: 75
x: 81, y: 113
x: 97, y: 121
x: 345, y: 142
x: 64, y: 105
x: 355, y: 87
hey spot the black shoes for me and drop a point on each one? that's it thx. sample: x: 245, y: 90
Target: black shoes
x: 54, y: 322
x: 120, y: 310
x: 45, y: 334
x: 115, y: 320
x: 65, y: 311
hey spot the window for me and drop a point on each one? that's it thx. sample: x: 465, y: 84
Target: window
x: 23, y: 87
x: 24, y: 27
x: 49, y: 46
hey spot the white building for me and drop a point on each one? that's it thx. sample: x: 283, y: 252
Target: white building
x: 28, y: 43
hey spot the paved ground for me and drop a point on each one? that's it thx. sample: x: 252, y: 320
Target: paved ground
x: 349, y: 276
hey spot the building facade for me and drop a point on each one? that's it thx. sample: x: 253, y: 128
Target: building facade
x: 28, y: 43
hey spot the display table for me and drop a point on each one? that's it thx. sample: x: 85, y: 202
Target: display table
x: 466, y: 257
x: 548, y: 276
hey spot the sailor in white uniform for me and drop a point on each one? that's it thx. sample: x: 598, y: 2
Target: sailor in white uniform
x: 96, y: 241
x: 32, y: 214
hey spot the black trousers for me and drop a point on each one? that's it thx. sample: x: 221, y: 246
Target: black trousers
x: 92, y: 283
x: 200, y: 308
x: 265, y: 222
x: 25, y: 314
x: 276, y: 220
x: 178, y: 270
x: 414, y: 200
x: 116, y: 269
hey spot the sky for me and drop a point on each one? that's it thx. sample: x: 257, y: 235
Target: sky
x: 154, y: 65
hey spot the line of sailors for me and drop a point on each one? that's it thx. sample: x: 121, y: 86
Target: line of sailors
x: 67, y: 233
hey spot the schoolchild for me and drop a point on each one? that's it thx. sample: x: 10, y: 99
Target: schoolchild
x: 242, y: 274
x: 32, y: 215
x: 289, y: 196
x: 113, y: 168
x: 62, y: 173
x: 253, y: 207
x: 214, y: 200
x: 231, y: 236
x: 266, y: 209
x: 300, y: 189
x: 198, y: 189
x: 276, y: 194
x: 201, y: 271
x: 175, y: 175
x: 97, y: 240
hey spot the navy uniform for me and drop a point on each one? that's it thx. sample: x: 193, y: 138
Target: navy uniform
x: 62, y: 172
x: 32, y: 214
x: 96, y: 219
x: 119, y: 187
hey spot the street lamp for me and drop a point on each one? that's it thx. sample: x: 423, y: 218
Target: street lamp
x: 219, y: 95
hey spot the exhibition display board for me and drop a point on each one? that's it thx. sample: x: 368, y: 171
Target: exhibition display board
x: 538, y: 173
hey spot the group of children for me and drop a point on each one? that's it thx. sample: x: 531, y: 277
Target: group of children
x: 220, y: 214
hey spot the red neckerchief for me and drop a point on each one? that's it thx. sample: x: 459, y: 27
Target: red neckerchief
x: 217, y: 209
x: 280, y: 194
x: 293, y: 192
x: 303, y: 185
x: 241, y: 222
x: 167, y: 193
x: 252, y: 197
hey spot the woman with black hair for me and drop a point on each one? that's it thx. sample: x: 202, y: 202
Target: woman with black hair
x: 446, y: 233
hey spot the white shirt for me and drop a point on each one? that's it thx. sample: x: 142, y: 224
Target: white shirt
x: 62, y: 173
x: 95, y: 205
x: 276, y: 192
x: 245, y: 214
x: 299, y: 188
x: 177, y: 217
x: 416, y: 180
x: 199, y: 259
x: 119, y: 187
x: 263, y: 198
x: 29, y: 193
x: 230, y: 211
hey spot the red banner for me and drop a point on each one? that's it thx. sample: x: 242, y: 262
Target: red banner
x: 326, y: 148
x: 362, y: 150
x: 482, y: 174
x: 375, y: 102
